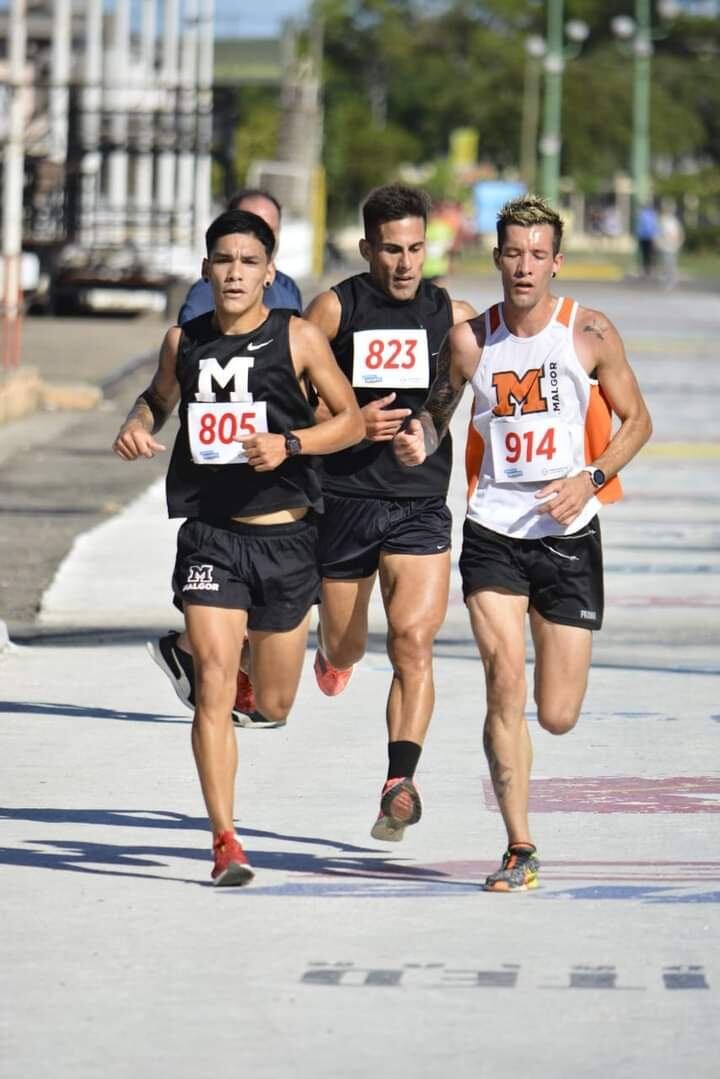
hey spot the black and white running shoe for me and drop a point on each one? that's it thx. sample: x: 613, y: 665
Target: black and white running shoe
x: 176, y: 664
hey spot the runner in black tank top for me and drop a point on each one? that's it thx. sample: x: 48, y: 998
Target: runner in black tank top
x: 385, y: 328
x: 242, y: 473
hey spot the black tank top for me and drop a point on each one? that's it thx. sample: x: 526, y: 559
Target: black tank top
x: 372, y: 364
x: 259, y: 363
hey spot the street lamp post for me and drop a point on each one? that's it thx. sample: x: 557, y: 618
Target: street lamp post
x: 556, y: 53
x: 640, y: 33
x: 552, y: 106
x: 642, y: 51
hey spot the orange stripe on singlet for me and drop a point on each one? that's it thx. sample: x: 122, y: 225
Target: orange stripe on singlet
x: 598, y: 432
x: 474, y: 450
x: 563, y: 315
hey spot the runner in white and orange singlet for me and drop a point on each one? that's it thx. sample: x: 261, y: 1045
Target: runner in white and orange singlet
x: 542, y: 458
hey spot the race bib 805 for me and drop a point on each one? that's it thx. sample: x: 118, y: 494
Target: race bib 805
x: 214, y: 426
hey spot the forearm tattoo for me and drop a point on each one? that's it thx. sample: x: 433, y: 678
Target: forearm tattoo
x: 149, y: 410
x: 441, y: 403
x: 500, y: 774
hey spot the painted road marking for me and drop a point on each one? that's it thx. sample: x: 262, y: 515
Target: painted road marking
x: 619, y: 794
x: 345, y: 974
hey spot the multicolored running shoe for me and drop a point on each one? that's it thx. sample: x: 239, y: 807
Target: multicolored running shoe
x: 518, y: 872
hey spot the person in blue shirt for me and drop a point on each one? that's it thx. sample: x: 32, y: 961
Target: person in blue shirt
x: 283, y: 292
x: 646, y: 227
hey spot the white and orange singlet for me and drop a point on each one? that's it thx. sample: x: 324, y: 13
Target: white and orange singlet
x: 537, y: 416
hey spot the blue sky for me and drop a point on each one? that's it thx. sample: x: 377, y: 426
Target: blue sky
x: 240, y: 18
x: 255, y: 18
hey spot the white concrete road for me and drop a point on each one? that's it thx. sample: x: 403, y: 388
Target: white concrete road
x: 347, y: 957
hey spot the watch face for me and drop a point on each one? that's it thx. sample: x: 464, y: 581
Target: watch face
x: 598, y: 477
x: 292, y: 445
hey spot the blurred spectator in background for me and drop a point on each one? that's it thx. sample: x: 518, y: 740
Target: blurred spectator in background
x: 645, y: 231
x: 440, y: 237
x: 669, y: 240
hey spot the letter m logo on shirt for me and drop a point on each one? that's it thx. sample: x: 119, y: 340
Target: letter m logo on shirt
x: 512, y: 390
x: 200, y: 574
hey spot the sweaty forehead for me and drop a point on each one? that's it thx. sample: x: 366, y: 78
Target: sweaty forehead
x: 404, y: 232
x: 531, y: 236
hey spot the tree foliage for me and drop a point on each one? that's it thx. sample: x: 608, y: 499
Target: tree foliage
x: 400, y: 75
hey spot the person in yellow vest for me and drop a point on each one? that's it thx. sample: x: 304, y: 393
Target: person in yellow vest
x: 439, y: 240
x: 541, y: 459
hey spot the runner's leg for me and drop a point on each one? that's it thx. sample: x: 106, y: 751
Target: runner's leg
x: 415, y: 592
x: 276, y: 664
x: 498, y: 623
x: 562, y: 662
x: 344, y: 619
x: 216, y: 637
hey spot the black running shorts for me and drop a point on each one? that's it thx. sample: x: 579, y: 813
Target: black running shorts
x: 270, y: 571
x: 562, y: 576
x: 353, y: 532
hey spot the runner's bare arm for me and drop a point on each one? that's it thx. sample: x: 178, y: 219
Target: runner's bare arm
x: 153, y: 406
x: 457, y: 360
x: 313, y: 357
x: 600, y: 349
x: 462, y: 311
x: 325, y: 312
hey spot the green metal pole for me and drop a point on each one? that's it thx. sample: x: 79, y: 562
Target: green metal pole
x: 641, y: 104
x: 551, y: 140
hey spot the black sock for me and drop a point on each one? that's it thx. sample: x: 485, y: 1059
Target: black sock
x: 403, y: 759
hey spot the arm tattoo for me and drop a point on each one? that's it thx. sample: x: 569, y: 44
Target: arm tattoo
x: 596, y: 327
x: 441, y: 403
x: 499, y: 773
x: 149, y: 410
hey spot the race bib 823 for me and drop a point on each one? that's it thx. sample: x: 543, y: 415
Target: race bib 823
x: 391, y: 359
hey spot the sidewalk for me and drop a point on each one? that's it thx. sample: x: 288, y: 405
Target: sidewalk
x: 347, y: 957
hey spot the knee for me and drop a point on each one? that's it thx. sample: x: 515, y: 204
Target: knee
x: 410, y: 650
x: 343, y: 650
x: 557, y: 719
x: 215, y: 684
x: 274, y: 703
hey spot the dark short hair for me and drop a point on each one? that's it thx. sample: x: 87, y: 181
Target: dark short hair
x: 244, y: 222
x: 393, y: 202
x: 526, y: 211
x: 252, y: 193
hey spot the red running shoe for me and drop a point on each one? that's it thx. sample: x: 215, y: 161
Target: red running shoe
x: 330, y: 679
x: 400, y: 806
x: 245, y: 695
x: 231, y: 864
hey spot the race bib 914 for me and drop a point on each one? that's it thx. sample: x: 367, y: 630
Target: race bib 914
x: 533, y: 449
x: 391, y: 359
x: 214, y: 426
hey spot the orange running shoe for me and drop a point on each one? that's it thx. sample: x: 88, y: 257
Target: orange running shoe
x: 330, y: 679
x: 231, y: 864
x: 400, y: 805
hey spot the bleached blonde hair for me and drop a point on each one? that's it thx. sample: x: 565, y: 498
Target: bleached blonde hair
x: 526, y: 211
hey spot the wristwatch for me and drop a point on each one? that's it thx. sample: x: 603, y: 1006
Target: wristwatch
x: 293, y: 446
x: 597, y: 476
